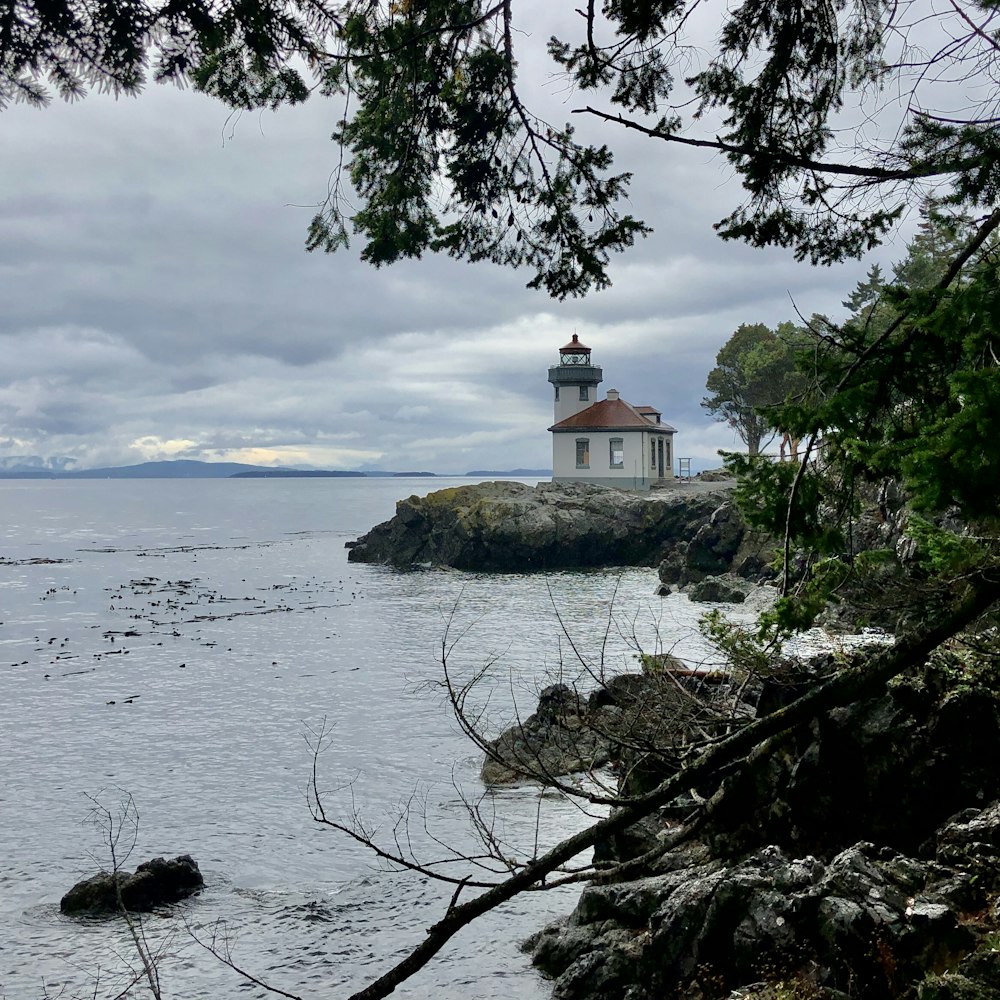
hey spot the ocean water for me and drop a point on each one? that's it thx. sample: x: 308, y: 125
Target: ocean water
x: 184, y: 643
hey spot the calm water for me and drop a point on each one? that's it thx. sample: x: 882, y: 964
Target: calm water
x: 194, y: 635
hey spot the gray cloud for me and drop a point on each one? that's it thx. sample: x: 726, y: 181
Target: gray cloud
x: 157, y: 301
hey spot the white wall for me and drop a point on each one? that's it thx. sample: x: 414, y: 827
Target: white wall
x: 569, y: 403
x: 636, y: 468
x: 636, y: 458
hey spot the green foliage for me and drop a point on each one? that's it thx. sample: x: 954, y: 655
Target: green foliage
x: 444, y: 153
x: 944, y: 552
x: 906, y: 391
x: 798, y: 611
x: 749, y: 652
x: 243, y: 52
x: 754, y: 370
x: 446, y: 159
x: 916, y: 397
x: 762, y: 492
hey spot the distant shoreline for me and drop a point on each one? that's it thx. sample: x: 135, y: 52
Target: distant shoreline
x: 295, y: 474
x: 188, y: 469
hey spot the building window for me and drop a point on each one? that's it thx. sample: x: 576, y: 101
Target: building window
x: 652, y: 453
x: 585, y: 392
x: 583, y: 453
x: 557, y: 394
x: 617, y: 453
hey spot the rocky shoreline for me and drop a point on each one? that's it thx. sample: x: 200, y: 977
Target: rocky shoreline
x: 859, y: 858
x: 868, y: 922
x: 690, y: 531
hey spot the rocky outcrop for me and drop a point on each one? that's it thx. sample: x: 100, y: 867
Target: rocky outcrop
x: 723, y: 589
x: 720, y: 544
x: 561, y: 737
x: 887, y: 769
x: 513, y: 527
x: 869, y: 922
x: 860, y: 858
x: 154, y: 883
x: 616, y: 723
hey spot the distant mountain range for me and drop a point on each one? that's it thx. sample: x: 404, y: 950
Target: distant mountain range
x: 295, y: 474
x: 180, y: 469
x: 189, y: 469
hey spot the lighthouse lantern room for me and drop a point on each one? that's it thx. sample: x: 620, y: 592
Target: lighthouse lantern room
x: 575, y: 379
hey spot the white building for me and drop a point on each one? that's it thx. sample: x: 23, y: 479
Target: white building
x: 604, y: 441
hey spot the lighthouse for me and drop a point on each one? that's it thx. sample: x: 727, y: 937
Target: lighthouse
x: 607, y: 442
x: 575, y: 380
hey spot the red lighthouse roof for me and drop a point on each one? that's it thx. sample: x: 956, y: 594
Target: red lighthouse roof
x: 574, y: 346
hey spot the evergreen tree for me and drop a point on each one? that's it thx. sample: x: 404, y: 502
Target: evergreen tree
x: 940, y: 237
x: 444, y: 154
x: 867, y: 295
x: 907, y: 391
x: 443, y: 151
x: 753, y: 371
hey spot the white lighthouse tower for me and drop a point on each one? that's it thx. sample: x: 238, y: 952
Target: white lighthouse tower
x: 575, y: 380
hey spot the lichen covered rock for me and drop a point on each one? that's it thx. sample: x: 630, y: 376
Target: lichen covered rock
x: 869, y: 922
x: 513, y: 527
x: 847, y: 862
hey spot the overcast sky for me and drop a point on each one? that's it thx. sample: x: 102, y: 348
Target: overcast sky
x: 157, y: 302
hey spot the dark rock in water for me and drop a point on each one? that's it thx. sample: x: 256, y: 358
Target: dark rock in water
x: 568, y: 733
x: 153, y: 884
x: 726, y: 589
x: 552, y: 742
x: 513, y: 527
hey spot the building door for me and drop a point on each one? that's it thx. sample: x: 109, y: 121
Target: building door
x: 659, y: 457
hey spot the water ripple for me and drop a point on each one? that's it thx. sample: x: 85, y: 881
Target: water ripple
x: 201, y: 632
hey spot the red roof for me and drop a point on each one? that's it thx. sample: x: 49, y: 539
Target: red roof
x: 649, y: 409
x: 575, y: 346
x: 608, y: 414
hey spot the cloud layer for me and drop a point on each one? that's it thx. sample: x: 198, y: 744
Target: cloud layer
x: 158, y: 303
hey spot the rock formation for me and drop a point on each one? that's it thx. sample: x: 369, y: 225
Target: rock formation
x: 154, y: 883
x: 512, y: 527
x: 869, y: 922
x: 617, y: 722
x: 560, y: 738
x: 859, y: 858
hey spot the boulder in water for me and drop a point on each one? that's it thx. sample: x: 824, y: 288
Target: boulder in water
x: 154, y: 883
